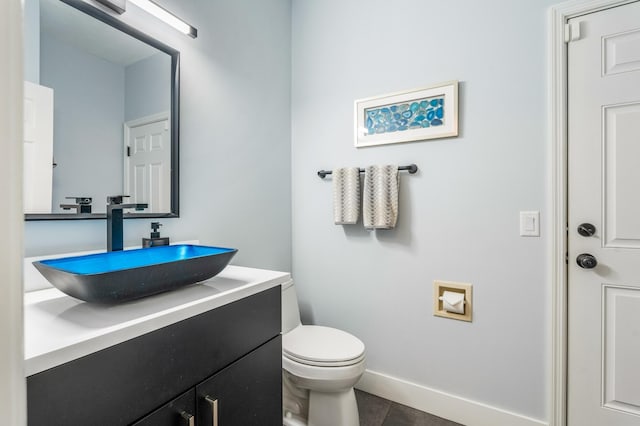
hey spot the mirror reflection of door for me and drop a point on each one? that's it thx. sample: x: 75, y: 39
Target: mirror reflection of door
x: 148, y: 162
x: 38, y: 148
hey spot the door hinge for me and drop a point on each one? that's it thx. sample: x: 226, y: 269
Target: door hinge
x: 128, y: 151
x: 572, y: 32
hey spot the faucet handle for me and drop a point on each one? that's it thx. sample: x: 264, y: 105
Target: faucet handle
x: 81, y: 200
x: 116, y: 199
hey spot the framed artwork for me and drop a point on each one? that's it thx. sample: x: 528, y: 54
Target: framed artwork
x: 414, y: 115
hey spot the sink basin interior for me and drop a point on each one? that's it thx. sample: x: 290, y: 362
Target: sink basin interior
x: 101, y: 263
x: 119, y: 276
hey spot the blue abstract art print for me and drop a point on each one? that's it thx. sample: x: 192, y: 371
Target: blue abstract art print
x: 418, y: 114
x: 403, y: 116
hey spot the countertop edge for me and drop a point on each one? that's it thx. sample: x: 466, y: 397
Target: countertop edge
x: 39, y: 361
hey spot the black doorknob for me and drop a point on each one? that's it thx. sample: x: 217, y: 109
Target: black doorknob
x: 586, y: 230
x: 586, y: 261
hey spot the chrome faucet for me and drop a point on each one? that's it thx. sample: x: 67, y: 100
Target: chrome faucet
x: 115, y: 218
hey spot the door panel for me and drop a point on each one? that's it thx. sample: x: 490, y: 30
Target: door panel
x: 621, y: 329
x: 622, y: 159
x: 246, y: 393
x: 38, y: 148
x: 148, y: 177
x: 603, y: 176
x: 621, y: 52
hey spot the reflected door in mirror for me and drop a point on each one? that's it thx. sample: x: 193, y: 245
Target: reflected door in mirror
x: 38, y: 148
x: 148, y: 164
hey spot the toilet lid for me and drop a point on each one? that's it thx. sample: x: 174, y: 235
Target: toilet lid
x: 317, y: 345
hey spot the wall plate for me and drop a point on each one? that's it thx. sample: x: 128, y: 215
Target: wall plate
x: 530, y: 224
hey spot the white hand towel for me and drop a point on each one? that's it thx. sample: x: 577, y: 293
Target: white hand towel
x: 380, y: 201
x: 346, y: 195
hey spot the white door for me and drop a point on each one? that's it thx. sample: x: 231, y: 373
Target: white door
x: 148, y: 177
x: 38, y: 148
x: 604, y: 191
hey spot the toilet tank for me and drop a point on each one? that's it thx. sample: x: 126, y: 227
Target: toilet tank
x: 290, y: 310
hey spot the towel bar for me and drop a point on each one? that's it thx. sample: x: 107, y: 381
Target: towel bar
x: 411, y: 168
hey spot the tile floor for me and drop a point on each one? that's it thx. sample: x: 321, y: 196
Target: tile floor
x: 376, y: 411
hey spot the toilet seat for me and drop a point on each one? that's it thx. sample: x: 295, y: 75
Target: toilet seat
x: 320, y: 346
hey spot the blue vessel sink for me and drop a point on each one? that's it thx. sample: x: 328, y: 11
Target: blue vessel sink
x: 120, y: 276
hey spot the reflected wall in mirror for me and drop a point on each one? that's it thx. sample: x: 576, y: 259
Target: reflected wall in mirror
x: 113, y: 125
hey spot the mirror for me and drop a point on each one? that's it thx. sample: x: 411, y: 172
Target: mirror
x: 113, y: 121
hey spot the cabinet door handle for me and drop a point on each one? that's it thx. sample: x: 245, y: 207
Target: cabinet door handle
x: 191, y: 420
x: 214, y: 410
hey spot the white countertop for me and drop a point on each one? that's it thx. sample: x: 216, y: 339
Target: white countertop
x: 59, y: 328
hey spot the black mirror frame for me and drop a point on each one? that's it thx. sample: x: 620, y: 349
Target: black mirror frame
x: 175, y: 118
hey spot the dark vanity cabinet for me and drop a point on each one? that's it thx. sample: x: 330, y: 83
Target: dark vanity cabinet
x: 222, y: 367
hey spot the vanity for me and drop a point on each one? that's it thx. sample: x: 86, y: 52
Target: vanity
x: 207, y: 354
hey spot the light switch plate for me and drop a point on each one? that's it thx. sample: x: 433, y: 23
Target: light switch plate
x: 530, y: 224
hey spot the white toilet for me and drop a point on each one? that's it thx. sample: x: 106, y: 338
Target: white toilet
x: 320, y: 366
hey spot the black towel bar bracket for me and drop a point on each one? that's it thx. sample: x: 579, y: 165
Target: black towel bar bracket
x: 411, y: 168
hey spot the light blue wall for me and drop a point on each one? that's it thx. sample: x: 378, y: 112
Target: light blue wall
x: 235, y: 159
x: 88, y: 112
x: 459, y: 215
x: 147, y: 87
x: 31, y: 31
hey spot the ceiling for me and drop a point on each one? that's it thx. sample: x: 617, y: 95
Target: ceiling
x: 63, y: 22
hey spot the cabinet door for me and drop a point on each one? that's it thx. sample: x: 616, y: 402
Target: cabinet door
x: 179, y: 412
x: 247, y: 392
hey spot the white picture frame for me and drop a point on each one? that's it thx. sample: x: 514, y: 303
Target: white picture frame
x: 395, y: 118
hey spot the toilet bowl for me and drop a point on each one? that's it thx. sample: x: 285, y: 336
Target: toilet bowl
x: 320, y: 366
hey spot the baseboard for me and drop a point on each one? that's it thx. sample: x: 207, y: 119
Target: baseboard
x: 441, y: 404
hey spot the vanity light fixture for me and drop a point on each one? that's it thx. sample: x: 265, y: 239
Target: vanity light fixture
x: 166, y: 16
x: 118, y: 6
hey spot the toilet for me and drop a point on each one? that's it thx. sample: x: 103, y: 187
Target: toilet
x: 320, y: 366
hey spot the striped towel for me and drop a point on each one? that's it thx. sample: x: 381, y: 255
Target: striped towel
x: 380, y: 200
x: 346, y: 195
